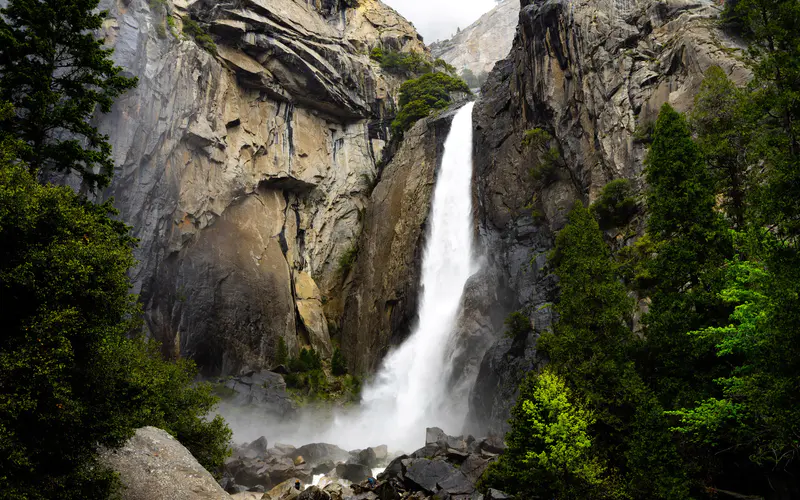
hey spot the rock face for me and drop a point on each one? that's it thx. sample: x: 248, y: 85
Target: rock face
x: 155, y: 466
x: 382, y: 296
x: 245, y: 174
x: 588, y: 73
x: 480, y: 45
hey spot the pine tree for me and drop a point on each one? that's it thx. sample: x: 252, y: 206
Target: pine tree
x: 56, y: 74
x: 682, y: 275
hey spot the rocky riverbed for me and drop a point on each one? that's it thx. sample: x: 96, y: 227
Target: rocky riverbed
x: 447, y: 467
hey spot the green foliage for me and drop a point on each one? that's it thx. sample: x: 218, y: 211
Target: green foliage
x: 690, y: 245
x: 518, y: 325
x: 405, y: 63
x: 441, y: 64
x: 376, y: 54
x: 56, y: 74
x: 616, y: 205
x: 307, y: 360
x: 545, y: 170
x: 281, y: 352
x: 347, y: 259
x: 203, y: 39
x: 421, y: 96
x: 70, y: 378
x: 550, y: 452
x: 644, y: 132
x: 722, y: 120
x: 338, y: 365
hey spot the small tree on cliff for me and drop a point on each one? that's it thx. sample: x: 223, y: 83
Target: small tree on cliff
x: 56, y: 74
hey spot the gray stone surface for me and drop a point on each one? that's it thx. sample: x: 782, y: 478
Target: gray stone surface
x: 155, y: 466
x: 242, y: 171
x: 587, y: 72
x: 480, y: 45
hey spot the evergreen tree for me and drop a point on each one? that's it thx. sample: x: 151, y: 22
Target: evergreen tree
x: 722, y: 119
x: 56, y: 74
x: 682, y: 275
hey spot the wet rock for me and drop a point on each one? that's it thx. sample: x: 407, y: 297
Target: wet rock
x: 354, y: 473
x: 368, y: 457
x: 284, y: 491
x: 323, y: 468
x: 386, y: 491
x: 395, y: 469
x: 259, y: 445
x: 248, y: 495
x: 434, y: 435
x: 153, y: 465
x: 493, y: 444
x: 426, y: 474
x: 314, y: 493
x: 284, y: 449
x: 337, y: 491
x: 316, y: 453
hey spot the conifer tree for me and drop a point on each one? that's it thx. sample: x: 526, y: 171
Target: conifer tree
x: 682, y: 275
x: 56, y: 74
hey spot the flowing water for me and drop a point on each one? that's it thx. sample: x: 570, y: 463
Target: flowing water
x: 409, y: 391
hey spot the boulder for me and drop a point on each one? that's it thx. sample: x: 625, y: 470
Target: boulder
x: 426, y: 474
x: 153, y: 465
x: 314, y: 493
x: 434, y: 435
x: 284, y: 449
x: 316, y: 453
x: 248, y: 495
x: 259, y: 445
x: 337, y: 491
x: 368, y: 457
x: 355, y: 473
x: 323, y: 468
x: 395, y: 469
x: 493, y: 444
x: 473, y: 467
x: 494, y: 494
x: 457, y: 484
x: 263, y: 390
x: 284, y: 491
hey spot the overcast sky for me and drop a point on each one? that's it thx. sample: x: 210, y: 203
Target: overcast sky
x: 438, y: 19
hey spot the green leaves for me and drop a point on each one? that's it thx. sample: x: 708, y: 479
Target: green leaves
x: 56, y: 74
x: 421, y: 96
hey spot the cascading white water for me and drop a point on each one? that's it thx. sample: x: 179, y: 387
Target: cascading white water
x: 409, y: 392
x: 410, y: 389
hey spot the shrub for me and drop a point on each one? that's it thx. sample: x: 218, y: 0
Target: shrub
x: 347, y: 259
x: 70, y: 378
x: 338, y: 366
x: 281, y: 352
x: 545, y: 171
x: 203, y: 39
x: 420, y: 96
x: 376, y: 54
x: 405, y: 63
x: 518, y: 325
x: 616, y: 205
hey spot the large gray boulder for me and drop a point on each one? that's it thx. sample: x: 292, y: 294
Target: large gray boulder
x: 154, y: 466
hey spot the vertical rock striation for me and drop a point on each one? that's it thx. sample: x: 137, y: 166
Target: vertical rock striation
x: 245, y: 168
x: 588, y: 73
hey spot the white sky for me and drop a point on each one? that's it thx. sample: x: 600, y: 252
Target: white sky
x: 438, y: 19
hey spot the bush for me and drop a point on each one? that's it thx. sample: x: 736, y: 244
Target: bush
x: 405, y: 63
x: 71, y: 379
x: 203, y: 39
x: 616, y: 205
x: 421, y: 96
x: 281, y: 353
x: 347, y: 259
x: 306, y: 361
x: 517, y: 325
x: 338, y: 366
x: 376, y: 54
x: 545, y: 171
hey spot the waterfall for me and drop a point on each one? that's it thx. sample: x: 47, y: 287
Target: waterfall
x: 410, y: 391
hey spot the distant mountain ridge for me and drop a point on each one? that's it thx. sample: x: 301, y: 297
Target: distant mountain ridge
x: 480, y: 45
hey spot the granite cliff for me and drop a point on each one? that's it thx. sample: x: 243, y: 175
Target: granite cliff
x: 587, y: 73
x: 480, y: 45
x: 245, y: 165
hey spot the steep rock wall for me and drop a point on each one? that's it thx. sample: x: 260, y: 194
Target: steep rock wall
x: 383, y: 286
x: 244, y: 173
x: 587, y: 72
